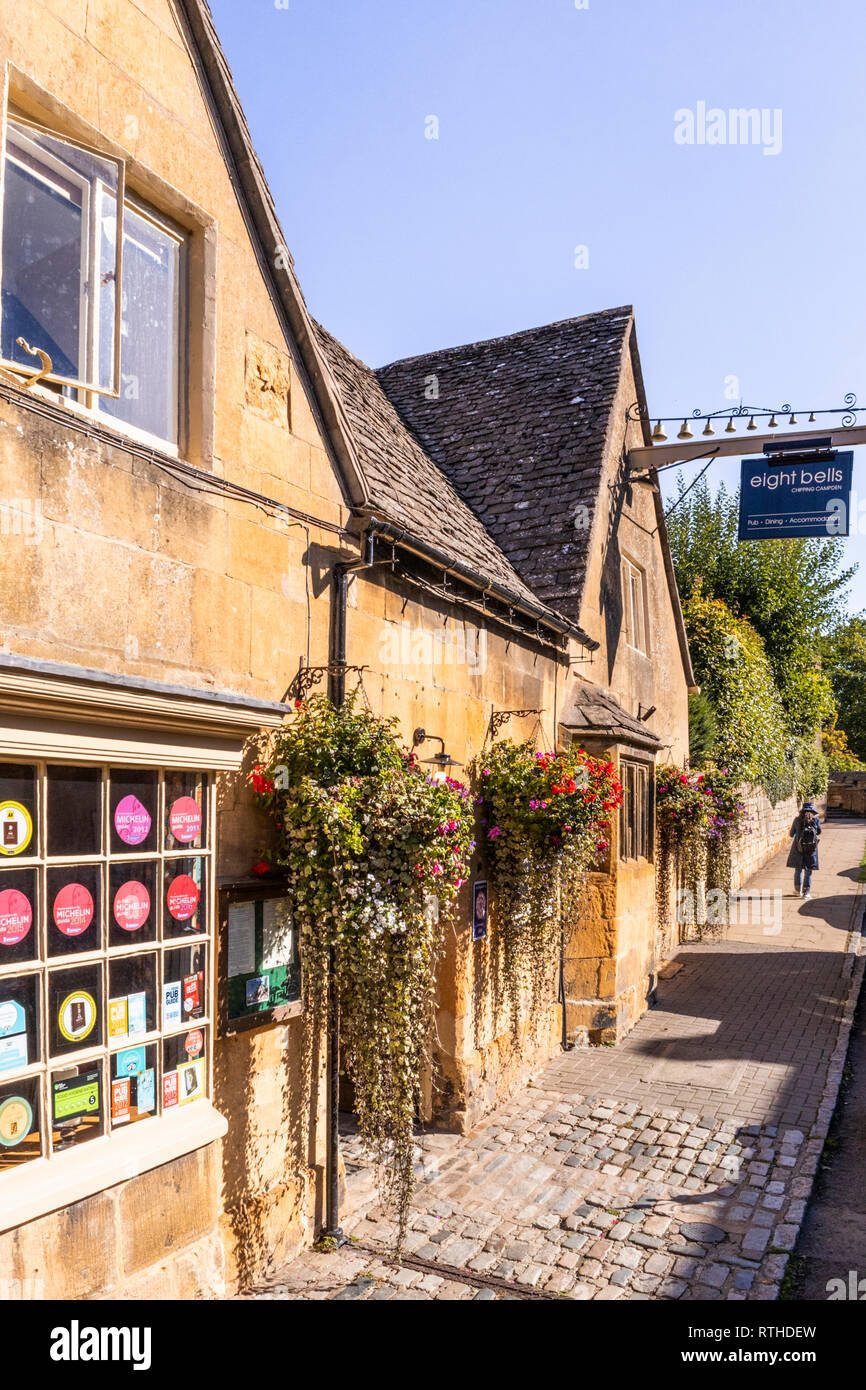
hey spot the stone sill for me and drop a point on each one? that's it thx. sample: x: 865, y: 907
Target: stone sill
x: 45, y: 1185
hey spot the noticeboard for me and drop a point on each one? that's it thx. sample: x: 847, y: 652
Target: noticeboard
x: 259, y: 970
x: 798, y: 496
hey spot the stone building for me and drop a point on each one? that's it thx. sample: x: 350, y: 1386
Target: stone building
x: 202, y: 493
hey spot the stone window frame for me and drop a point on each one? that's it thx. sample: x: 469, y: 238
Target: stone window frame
x: 637, y: 811
x: 634, y: 586
x: 145, y: 190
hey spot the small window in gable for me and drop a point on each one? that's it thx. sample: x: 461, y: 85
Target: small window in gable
x: 634, y: 606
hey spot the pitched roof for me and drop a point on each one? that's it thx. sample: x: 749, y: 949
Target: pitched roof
x: 518, y: 424
x: 405, y: 484
x: 593, y: 712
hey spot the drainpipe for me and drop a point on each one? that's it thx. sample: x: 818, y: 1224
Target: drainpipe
x: 337, y: 693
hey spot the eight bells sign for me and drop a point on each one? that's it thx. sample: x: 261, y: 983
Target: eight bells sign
x: 799, y: 494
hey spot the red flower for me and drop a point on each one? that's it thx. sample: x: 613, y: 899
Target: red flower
x: 260, y: 868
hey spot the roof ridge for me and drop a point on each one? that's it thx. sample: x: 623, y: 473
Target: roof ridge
x: 626, y: 310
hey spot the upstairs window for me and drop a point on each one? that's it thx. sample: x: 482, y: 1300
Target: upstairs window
x: 70, y: 236
x: 634, y: 603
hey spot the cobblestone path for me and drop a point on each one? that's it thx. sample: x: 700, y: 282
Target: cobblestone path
x: 675, y: 1166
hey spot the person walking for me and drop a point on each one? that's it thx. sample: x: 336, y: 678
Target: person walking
x: 803, y: 857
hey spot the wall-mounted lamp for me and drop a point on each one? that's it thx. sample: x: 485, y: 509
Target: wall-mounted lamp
x: 442, y: 760
x: 647, y: 714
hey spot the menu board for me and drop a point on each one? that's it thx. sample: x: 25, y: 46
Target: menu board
x: 261, y: 956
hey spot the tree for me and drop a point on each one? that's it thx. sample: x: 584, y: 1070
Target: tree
x: 791, y: 591
x: 845, y: 663
x: 702, y: 730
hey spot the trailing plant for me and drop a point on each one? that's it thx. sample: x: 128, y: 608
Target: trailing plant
x: 368, y: 841
x: 546, y: 818
x: 698, y: 813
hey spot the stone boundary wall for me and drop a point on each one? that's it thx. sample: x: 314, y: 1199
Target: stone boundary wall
x: 846, y: 793
x: 767, y: 831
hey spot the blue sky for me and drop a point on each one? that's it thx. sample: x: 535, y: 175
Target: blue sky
x: 556, y: 130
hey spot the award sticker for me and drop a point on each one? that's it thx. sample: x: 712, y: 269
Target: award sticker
x: 184, y: 820
x: 132, y: 821
x: 131, y: 905
x: 182, y: 898
x: 77, y: 1015
x: 16, y: 917
x: 16, y: 827
x: 73, y: 909
x: 16, y: 1120
x: 193, y: 1042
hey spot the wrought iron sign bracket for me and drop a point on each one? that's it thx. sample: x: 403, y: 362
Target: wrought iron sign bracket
x: 500, y: 717
x: 310, y: 676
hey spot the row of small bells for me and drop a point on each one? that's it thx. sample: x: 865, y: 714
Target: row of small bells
x: 659, y: 436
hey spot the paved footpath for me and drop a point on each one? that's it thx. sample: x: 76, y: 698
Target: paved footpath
x: 675, y: 1166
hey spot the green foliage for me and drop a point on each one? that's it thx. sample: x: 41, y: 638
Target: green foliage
x: 791, y: 591
x: 845, y: 662
x: 546, y: 818
x: 698, y: 816
x: 368, y: 841
x: 732, y: 667
x: 703, y: 728
x: 840, y: 758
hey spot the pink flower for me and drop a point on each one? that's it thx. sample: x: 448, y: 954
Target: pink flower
x: 492, y: 834
x: 437, y: 869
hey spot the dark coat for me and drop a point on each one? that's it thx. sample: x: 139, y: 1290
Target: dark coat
x: 796, y: 860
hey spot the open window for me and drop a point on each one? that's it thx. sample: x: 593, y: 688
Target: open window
x: 62, y: 249
x: 71, y: 234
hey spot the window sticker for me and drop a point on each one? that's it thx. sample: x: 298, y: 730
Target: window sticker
x: 16, y: 827
x: 169, y: 1090
x: 120, y: 1101
x: 16, y: 1120
x: 171, y: 1010
x: 193, y: 991
x: 131, y: 1061
x: 190, y: 1081
x: 136, y: 1021
x: 132, y: 820
x: 13, y: 1036
x: 77, y: 1096
x: 16, y: 916
x: 193, y: 1042
x: 185, y: 820
x: 73, y: 909
x: 118, y: 1018
x: 131, y: 905
x: 145, y: 1091
x: 77, y: 1015
x: 183, y: 896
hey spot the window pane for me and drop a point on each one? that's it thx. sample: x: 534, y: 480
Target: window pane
x: 74, y: 909
x: 19, y: 1022
x: 133, y: 1084
x: 74, y: 810
x: 184, y: 897
x: 183, y: 992
x: 133, y: 811
x: 75, y: 1009
x: 76, y: 1105
x: 184, y: 1068
x: 149, y: 325
x: 19, y: 934
x: 185, y: 810
x: 18, y: 818
x: 132, y: 901
x: 20, y: 1128
x: 52, y: 199
x: 131, y: 997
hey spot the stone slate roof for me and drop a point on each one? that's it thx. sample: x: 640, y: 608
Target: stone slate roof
x: 594, y: 712
x: 406, y: 486
x: 519, y: 428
